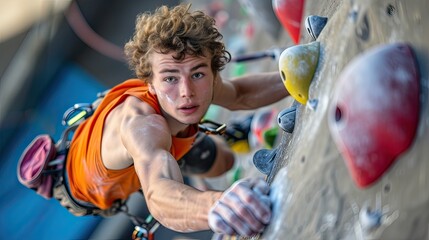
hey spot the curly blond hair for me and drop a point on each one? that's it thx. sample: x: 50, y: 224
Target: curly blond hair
x: 177, y: 30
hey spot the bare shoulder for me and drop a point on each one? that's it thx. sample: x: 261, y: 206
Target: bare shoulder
x: 134, y: 106
x: 122, y: 132
x: 136, y: 115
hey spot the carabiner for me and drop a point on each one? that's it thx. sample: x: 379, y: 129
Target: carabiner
x: 217, y: 128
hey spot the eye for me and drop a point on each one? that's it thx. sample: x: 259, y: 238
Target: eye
x: 198, y: 75
x: 170, y: 79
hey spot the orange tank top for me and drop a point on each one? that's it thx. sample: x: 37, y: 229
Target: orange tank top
x: 89, y: 179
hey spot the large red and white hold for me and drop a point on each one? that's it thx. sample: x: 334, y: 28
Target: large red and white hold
x: 374, y: 114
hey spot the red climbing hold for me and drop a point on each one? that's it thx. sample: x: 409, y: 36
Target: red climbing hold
x: 374, y: 115
x: 289, y: 13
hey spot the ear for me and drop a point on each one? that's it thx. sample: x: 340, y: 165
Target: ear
x: 151, y: 89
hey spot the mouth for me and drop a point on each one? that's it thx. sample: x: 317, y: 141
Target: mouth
x: 188, y: 109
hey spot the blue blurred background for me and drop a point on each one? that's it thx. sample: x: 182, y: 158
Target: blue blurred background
x: 55, y: 53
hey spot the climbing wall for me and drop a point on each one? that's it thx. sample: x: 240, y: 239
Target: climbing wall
x: 330, y: 183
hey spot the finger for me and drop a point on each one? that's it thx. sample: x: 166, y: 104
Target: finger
x: 266, y: 200
x: 241, y: 210
x: 218, y: 236
x: 231, y: 219
x: 263, y: 197
x: 263, y: 194
x: 218, y: 225
x: 260, y: 209
x: 243, y: 183
x: 257, y: 203
x: 261, y: 187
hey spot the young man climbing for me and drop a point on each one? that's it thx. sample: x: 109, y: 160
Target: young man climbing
x: 144, y: 134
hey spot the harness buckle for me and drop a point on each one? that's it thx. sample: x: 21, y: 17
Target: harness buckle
x: 146, y: 230
x: 77, y: 113
x: 211, y: 127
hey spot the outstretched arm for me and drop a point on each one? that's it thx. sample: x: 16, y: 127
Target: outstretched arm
x: 250, y: 91
x: 241, y: 209
x: 174, y: 204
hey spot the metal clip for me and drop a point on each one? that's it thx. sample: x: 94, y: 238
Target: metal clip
x: 77, y: 113
x: 211, y: 127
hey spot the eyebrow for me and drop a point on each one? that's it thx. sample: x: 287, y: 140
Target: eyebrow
x: 167, y: 70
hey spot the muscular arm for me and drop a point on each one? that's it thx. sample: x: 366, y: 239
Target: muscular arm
x: 242, y: 209
x: 174, y: 204
x: 250, y: 91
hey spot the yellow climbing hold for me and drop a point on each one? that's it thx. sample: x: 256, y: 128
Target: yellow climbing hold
x: 297, y: 66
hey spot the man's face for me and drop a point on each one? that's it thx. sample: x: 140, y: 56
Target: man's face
x: 184, y: 89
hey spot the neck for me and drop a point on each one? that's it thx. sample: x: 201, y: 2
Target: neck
x: 184, y: 133
x: 177, y: 129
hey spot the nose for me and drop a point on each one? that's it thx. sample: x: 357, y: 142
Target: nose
x: 186, y: 88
